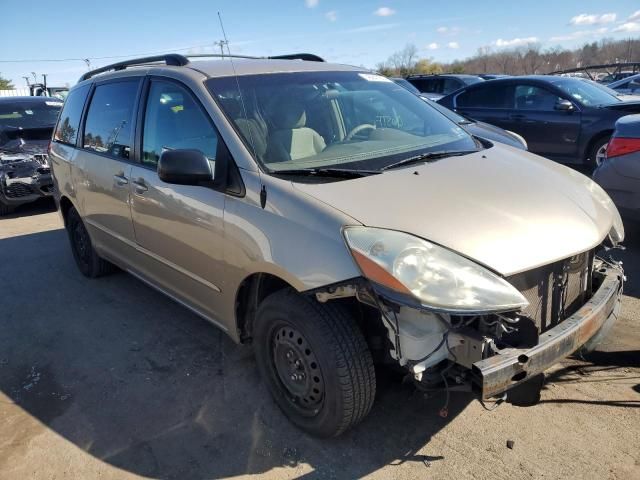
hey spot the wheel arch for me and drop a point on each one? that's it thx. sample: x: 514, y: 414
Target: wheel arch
x: 250, y: 293
x: 65, y: 206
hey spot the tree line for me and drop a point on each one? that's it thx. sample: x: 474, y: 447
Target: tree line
x: 523, y: 60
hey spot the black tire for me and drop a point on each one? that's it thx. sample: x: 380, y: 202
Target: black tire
x: 88, y: 261
x: 598, y: 144
x: 5, y: 209
x: 334, y: 359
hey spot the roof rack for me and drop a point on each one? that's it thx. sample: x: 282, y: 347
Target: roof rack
x: 309, y: 57
x: 172, y: 59
x: 177, y: 60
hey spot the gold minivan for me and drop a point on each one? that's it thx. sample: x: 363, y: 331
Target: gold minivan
x: 335, y: 221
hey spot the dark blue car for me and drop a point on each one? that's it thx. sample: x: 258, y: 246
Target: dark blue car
x: 561, y: 118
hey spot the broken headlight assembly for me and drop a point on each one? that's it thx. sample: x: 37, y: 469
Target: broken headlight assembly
x: 617, y: 229
x: 439, y: 279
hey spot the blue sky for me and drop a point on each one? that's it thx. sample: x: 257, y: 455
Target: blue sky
x: 355, y: 32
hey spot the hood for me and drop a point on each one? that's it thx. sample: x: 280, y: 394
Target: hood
x: 505, y: 208
x: 625, y: 106
x: 495, y: 134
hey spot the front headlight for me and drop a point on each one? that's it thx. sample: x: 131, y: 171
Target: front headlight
x: 439, y: 278
x: 617, y: 229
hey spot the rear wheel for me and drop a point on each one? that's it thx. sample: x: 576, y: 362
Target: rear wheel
x: 88, y: 261
x: 315, y: 362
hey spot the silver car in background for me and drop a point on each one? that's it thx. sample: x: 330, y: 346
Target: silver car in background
x: 619, y: 173
x: 334, y: 221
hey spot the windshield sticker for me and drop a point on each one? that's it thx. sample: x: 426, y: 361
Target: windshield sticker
x: 54, y: 104
x: 369, y: 77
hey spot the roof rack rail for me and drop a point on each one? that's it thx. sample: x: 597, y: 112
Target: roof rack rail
x: 309, y: 57
x: 172, y: 59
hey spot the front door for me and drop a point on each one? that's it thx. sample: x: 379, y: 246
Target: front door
x: 178, y: 228
x: 102, y: 167
x: 549, y: 132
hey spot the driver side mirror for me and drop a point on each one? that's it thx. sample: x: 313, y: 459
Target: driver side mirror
x: 184, y: 167
x: 564, y: 105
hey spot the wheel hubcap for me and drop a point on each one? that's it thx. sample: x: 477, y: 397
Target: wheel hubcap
x: 298, y: 370
x: 600, y: 154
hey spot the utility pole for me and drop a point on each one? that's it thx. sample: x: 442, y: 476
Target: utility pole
x: 221, y: 44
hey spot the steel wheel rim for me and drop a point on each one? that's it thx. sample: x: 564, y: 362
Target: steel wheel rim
x: 81, y: 241
x: 298, y: 370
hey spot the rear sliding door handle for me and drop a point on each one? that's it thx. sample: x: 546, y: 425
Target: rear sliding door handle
x: 140, y: 186
x: 120, y: 180
x: 517, y: 116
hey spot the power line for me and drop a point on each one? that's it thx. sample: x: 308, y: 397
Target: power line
x: 84, y: 59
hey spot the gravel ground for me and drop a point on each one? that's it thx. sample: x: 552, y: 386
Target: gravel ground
x: 109, y: 379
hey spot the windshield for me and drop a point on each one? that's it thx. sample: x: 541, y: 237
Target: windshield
x: 585, y: 93
x: 353, y: 120
x: 29, y: 115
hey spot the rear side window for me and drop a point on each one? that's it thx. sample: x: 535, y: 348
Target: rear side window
x: 487, y: 96
x: 427, y: 85
x: 69, y: 121
x: 109, y: 126
x: 451, y: 85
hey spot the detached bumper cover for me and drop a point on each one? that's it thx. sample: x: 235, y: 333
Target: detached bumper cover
x: 514, y: 365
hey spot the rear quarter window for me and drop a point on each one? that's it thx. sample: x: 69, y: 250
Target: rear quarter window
x: 486, y: 96
x: 69, y: 121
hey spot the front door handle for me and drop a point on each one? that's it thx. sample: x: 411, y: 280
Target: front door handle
x: 140, y: 186
x: 120, y: 180
x: 517, y: 116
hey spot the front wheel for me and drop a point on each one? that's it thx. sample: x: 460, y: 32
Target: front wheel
x: 315, y: 362
x: 598, y: 152
x: 5, y: 209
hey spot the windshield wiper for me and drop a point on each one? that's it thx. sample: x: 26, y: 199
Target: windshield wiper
x: 427, y: 157
x: 327, y: 172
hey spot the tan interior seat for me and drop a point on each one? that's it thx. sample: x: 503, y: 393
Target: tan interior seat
x: 291, y: 139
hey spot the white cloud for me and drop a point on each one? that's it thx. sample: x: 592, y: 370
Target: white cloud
x: 628, y: 27
x: 579, y: 34
x: 372, y: 28
x: 515, y: 42
x: 311, y: 3
x: 592, y: 19
x: 332, y: 15
x: 453, y: 45
x: 452, y: 31
x: 384, y: 12
x: 634, y: 16
x: 433, y: 46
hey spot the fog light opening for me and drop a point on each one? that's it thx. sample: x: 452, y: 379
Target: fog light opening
x: 522, y: 359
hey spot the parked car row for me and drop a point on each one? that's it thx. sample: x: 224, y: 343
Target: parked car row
x: 335, y: 221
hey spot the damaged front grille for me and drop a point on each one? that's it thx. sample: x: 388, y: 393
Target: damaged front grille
x: 18, y: 190
x: 555, y: 291
x: 41, y: 158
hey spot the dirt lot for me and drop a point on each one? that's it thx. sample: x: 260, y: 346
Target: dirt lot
x: 109, y: 379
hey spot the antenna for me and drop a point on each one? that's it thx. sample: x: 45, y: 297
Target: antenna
x: 244, y: 109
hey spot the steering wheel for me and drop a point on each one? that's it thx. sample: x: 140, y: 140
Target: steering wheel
x: 357, y: 129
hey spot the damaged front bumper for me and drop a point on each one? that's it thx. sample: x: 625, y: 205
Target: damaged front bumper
x: 587, y: 327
